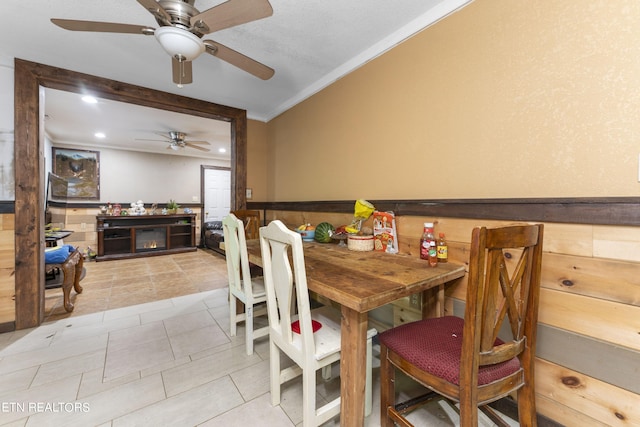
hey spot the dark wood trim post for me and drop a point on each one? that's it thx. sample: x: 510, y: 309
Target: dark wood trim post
x: 29, y: 207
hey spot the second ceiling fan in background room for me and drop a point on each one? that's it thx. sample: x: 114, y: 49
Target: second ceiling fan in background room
x: 181, y: 30
x: 177, y: 140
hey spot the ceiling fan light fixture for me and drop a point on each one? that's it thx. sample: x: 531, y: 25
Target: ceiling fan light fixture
x: 179, y: 43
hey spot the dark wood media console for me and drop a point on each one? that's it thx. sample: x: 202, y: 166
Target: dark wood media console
x: 145, y: 235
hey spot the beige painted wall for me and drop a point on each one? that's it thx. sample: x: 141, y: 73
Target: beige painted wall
x: 501, y: 99
x: 257, y: 159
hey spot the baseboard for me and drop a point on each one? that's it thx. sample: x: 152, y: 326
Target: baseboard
x: 7, y: 327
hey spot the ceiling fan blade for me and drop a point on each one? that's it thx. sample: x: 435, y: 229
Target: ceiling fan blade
x: 156, y: 10
x: 182, y: 72
x: 102, y: 27
x: 230, y: 14
x: 239, y: 60
x: 198, y: 142
x: 153, y: 140
x: 188, y: 144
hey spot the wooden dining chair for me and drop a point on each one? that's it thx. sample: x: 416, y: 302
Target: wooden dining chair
x: 251, y: 221
x: 310, y: 338
x: 242, y: 287
x: 471, y: 360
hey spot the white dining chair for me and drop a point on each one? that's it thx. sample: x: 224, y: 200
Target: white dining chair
x: 248, y: 290
x: 294, y: 326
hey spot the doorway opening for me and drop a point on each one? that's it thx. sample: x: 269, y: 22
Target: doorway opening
x: 30, y: 77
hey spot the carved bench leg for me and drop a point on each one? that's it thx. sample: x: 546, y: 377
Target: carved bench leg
x: 78, y: 275
x: 68, y: 271
x: 72, y: 269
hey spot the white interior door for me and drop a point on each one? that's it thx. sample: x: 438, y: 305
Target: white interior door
x: 217, y: 194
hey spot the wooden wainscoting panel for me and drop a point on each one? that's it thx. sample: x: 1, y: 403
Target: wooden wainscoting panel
x: 293, y: 219
x: 596, y: 399
x: 7, y: 269
x: 563, y: 414
x: 573, y: 239
x: 616, y: 242
x: 570, y: 239
x: 7, y: 250
x: 7, y: 300
x: 607, y: 279
x: 598, y: 359
x: 605, y: 320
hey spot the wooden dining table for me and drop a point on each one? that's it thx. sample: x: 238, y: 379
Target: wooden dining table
x: 360, y: 282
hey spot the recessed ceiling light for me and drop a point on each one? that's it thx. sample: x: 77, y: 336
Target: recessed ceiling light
x: 99, y: 135
x: 222, y: 150
x: 89, y: 99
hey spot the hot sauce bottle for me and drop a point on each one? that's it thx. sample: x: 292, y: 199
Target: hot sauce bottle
x: 428, y: 249
x: 442, y: 248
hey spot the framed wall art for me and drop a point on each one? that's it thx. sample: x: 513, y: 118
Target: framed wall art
x: 81, y: 169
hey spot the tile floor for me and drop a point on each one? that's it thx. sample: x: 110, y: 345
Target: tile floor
x: 148, y: 345
x: 115, y: 284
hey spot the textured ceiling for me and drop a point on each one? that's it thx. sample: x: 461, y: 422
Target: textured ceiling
x: 309, y: 44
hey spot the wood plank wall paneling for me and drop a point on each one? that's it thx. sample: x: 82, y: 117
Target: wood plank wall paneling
x: 602, y: 402
x: 598, y: 357
x: 589, y: 322
x: 7, y: 269
x: 592, y: 317
x: 81, y: 219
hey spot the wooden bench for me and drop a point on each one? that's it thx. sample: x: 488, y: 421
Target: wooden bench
x: 72, y: 272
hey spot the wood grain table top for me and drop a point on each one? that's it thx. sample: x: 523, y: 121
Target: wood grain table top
x: 363, y: 281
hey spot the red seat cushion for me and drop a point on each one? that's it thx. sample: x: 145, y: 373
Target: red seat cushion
x: 315, y: 325
x: 434, y: 345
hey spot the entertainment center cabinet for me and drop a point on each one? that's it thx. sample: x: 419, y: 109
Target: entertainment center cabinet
x: 144, y: 235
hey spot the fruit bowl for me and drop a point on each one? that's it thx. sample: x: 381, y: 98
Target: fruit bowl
x: 307, y: 235
x: 340, y: 238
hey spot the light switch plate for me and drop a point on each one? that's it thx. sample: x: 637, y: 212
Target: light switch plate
x: 249, y: 193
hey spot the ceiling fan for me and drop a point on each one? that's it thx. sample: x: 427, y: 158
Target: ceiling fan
x: 181, y: 30
x: 177, y: 140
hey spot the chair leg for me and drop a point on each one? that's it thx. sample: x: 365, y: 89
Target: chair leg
x: 232, y: 315
x: 468, y: 410
x: 387, y: 387
x: 308, y: 397
x: 527, y: 406
x: 326, y: 372
x: 274, y: 364
x: 368, y: 393
x: 248, y: 324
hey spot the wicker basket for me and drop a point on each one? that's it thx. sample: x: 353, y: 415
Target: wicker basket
x: 360, y: 243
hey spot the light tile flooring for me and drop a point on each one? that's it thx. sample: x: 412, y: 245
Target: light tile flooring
x: 148, y: 345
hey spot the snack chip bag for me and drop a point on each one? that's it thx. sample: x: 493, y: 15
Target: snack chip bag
x: 361, y: 212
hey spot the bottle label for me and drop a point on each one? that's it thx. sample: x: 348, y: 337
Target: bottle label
x: 424, y: 249
x: 442, y: 252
